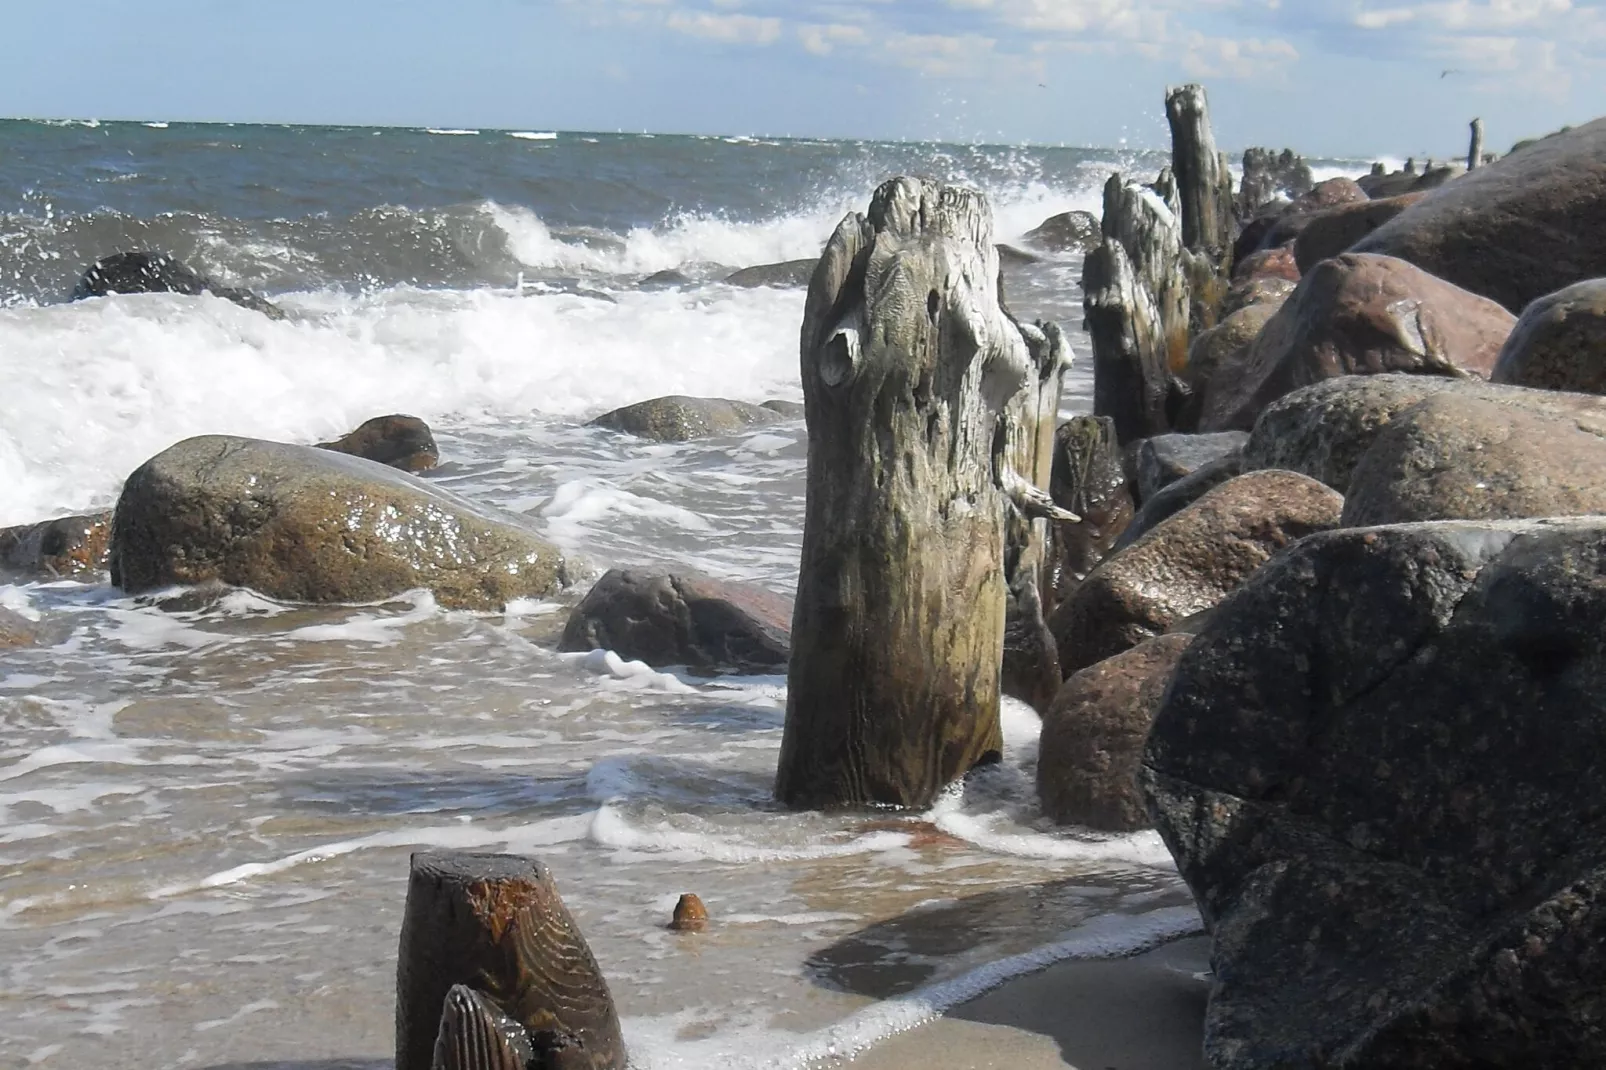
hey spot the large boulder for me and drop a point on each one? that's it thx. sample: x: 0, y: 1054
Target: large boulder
x: 67, y: 546
x: 1224, y: 346
x: 683, y: 618
x: 1164, y: 459
x: 1189, y: 563
x: 1331, y: 232
x: 1088, y: 478
x: 1359, y: 314
x: 1520, y: 228
x: 1093, y: 737
x: 1324, y: 429
x: 1282, y: 223
x: 1067, y: 232
x: 1175, y: 497
x: 1501, y: 453
x: 308, y: 525
x: 678, y: 418
x: 142, y: 273
x: 1377, y: 768
x: 1278, y: 263
x: 1559, y: 342
x: 404, y: 442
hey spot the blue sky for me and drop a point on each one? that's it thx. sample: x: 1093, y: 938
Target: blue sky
x: 1339, y: 77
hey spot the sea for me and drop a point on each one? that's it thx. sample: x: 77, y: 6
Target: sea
x: 207, y: 804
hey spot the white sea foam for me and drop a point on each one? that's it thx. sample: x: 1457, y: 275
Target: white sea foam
x: 450, y: 132
x: 533, y: 135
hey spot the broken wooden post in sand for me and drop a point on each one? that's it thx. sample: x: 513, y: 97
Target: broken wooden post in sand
x: 909, y: 366
x: 1475, y: 152
x: 495, y: 925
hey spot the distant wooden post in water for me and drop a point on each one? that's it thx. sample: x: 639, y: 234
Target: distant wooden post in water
x: 1475, y: 152
x: 912, y: 376
x: 492, y: 965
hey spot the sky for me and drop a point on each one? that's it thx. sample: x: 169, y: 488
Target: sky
x: 1327, y: 77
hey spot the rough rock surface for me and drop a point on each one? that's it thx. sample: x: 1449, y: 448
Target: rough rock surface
x: 404, y: 442
x: 1559, y: 342
x: 1278, y: 263
x: 1175, y: 497
x: 677, y: 418
x: 683, y: 618
x: 1257, y: 291
x: 67, y: 546
x: 1164, y: 459
x: 1066, y: 232
x: 791, y: 274
x: 1189, y: 563
x: 1093, y: 737
x: 142, y: 273
x: 1377, y: 768
x: 1329, y: 233
x: 1520, y: 228
x: 1359, y: 314
x: 1501, y: 453
x: 308, y: 525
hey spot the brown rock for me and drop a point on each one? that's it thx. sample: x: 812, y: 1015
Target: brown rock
x: 1275, y: 263
x: 16, y: 630
x: 1516, y: 230
x: 1508, y: 454
x: 69, y: 546
x: 1283, y: 224
x: 690, y: 915
x: 1329, y: 233
x: 1263, y: 290
x: 310, y: 525
x: 1223, y: 351
x: 1189, y: 563
x: 404, y: 442
x: 683, y: 618
x: 1559, y: 342
x: 1360, y: 314
x: 1093, y: 737
x: 677, y: 418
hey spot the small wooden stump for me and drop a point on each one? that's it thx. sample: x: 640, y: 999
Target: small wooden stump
x: 496, y: 924
x: 1475, y: 149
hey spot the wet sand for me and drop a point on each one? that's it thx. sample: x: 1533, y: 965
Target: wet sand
x: 1139, y: 1013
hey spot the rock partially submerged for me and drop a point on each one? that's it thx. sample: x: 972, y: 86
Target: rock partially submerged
x: 66, y: 546
x: 1067, y: 232
x: 1376, y: 769
x: 1093, y: 737
x: 790, y: 274
x: 308, y: 525
x: 404, y: 442
x: 143, y: 273
x: 16, y: 630
x: 683, y: 618
x: 678, y: 418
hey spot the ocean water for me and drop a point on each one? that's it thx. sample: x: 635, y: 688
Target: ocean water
x: 207, y: 805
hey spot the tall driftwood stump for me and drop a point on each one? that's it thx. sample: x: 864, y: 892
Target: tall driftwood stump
x: 910, y: 368
x: 495, y: 925
x: 1204, y: 176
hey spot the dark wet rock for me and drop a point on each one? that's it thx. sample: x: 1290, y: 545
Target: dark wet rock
x: 1175, y: 497
x: 1559, y: 342
x: 67, y: 546
x: 404, y: 442
x: 1089, y: 479
x: 1164, y: 459
x: 1282, y: 223
x: 308, y: 525
x: 1523, y: 227
x: 788, y: 410
x: 143, y: 273
x: 668, y: 279
x: 1377, y: 769
x: 787, y: 275
x: 1324, y: 429
x: 1189, y: 562
x: 678, y: 418
x: 1359, y: 314
x: 1256, y: 291
x: 708, y: 625
x: 16, y: 630
x: 1093, y: 737
x: 1268, y: 176
x: 1275, y: 263
x: 1500, y: 453
x: 1067, y: 232
x: 1329, y: 233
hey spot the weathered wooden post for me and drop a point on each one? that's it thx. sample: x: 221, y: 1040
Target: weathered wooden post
x: 909, y: 364
x: 496, y: 926
x: 1475, y: 152
x: 1204, y: 178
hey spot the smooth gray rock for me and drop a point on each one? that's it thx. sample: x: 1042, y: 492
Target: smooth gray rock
x: 303, y: 524
x: 664, y: 619
x: 1377, y: 768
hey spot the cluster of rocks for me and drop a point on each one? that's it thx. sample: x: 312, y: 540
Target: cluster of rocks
x: 1346, y: 654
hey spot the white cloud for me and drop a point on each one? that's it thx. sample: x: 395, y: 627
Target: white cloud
x: 823, y: 39
x: 730, y: 29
